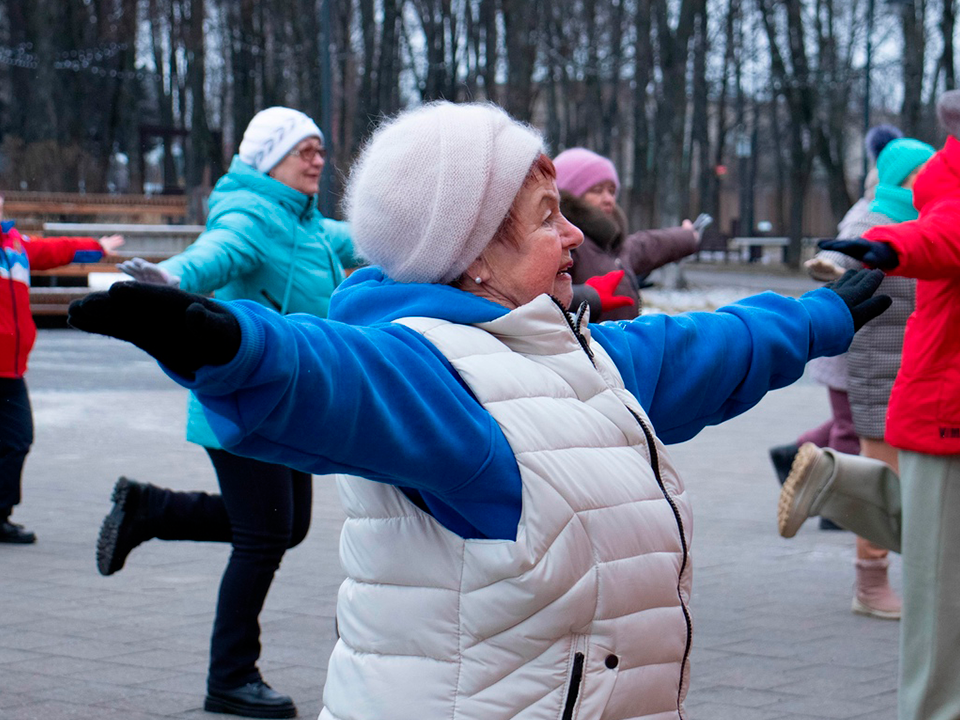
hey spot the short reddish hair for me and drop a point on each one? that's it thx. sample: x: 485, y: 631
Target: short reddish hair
x: 542, y: 168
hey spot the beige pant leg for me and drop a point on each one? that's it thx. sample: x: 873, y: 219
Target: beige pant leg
x: 863, y: 496
x: 930, y: 625
x: 877, y: 449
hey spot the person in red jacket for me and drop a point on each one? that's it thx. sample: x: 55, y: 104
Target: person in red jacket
x: 923, y: 422
x: 18, y: 254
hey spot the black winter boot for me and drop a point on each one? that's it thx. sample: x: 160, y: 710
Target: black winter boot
x: 126, y: 526
x: 11, y: 532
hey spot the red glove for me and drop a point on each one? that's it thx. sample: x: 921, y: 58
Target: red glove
x: 605, y: 286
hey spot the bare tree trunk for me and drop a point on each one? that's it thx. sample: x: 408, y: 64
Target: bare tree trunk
x: 520, y: 18
x: 644, y: 191
x: 730, y: 52
x: 164, y: 88
x: 488, y: 20
x: 244, y: 67
x: 201, y: 146
x: 914, y: 38
x: 700, y: 133
x: 671, y: 115
x: 388, y: 71
x: 948, y: 23
x: 367, y: 100
x: 797, y: 88
x: 611, y: 116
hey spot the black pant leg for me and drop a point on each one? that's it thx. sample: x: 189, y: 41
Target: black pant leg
x: 16, y: 437
x: 269, y: 508
x: 198, y: 516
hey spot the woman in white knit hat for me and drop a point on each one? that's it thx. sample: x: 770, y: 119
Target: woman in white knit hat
x: 266, y: 242
x: 517, y: 537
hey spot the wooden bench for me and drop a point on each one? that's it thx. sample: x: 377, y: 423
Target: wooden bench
x: 713, y: 243
x: 32, y: 209
x: 72, y: 282
x: 753, y: 249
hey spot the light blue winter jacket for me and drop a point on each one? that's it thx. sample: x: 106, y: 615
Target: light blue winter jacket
x: 264, y: 242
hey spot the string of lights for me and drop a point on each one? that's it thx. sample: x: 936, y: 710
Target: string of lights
x: 81, y: 60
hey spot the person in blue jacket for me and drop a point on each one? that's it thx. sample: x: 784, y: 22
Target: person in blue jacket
x: 265, y: 241
x: 517, y: 538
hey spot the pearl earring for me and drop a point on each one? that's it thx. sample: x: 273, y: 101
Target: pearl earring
x: 478, y: 279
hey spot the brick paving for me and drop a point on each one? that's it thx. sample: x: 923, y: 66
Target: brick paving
x: 774, y: 636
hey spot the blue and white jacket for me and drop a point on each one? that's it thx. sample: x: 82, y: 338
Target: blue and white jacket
x: 362, y: 395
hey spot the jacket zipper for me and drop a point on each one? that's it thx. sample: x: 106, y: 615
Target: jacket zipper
x: 573, y: 692
x: 575, y: 327
x: 655, y: 465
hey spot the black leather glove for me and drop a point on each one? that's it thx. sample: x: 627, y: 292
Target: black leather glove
x: 869, y: 252
x: 182, y: 330
x: 856, y: 288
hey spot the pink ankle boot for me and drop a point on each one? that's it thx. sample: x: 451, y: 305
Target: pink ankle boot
x: 873, y: 595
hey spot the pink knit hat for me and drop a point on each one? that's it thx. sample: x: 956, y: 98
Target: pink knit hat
x: 579, y: 169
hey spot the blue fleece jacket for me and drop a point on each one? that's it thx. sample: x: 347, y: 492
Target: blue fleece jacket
x: 361, y: 395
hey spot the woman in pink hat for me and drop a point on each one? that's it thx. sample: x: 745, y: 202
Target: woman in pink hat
x: 610, y: 265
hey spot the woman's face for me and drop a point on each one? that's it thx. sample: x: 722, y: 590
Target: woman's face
x: 301, y: 167
x: 538, y: 260
x: 603, y: 195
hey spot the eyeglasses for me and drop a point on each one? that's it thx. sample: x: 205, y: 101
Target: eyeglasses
x: 308, y: 154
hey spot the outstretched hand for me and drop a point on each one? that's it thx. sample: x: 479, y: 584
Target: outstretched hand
x: 605, y: 285
x: 183, y: 331
x: 147, y: 272
x: 856, y: 288
x: 823, y: 270
x: 110, y: 243
x: 870, y: 252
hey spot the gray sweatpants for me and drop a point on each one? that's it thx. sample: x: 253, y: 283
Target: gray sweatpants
x: 920, y: 513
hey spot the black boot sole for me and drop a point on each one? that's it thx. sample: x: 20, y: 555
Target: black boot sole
x: 21, y: 538
x: 110, y: 530
x: 228, y: 707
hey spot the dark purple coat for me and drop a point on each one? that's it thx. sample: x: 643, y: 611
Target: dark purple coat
x: 606, y: 247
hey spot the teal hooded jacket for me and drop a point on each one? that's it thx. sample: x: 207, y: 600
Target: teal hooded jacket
x: 264, y: 242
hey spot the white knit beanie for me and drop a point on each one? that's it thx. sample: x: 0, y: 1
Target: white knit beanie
x: 431, y: 187
x: 272, y: 134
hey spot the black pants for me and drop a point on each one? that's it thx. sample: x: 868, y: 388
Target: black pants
x: 263, y: 509
x: 16, y: 437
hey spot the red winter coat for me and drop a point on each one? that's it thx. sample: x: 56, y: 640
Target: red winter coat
x: 17, y: 255
x: 924, y: 411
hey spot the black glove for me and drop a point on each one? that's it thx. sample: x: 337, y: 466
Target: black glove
x: 182, y: 330
x: 869, y: 252
x: 856, y: 288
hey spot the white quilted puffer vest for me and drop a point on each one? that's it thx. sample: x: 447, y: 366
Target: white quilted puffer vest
x: 584, y: 615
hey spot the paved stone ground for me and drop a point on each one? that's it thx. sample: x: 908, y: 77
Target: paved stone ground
x: 774, y: 635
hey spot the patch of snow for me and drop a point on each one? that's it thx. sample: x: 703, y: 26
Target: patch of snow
x: 671, y: 302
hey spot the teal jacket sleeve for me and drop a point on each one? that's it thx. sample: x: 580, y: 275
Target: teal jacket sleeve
x: 698, y: 369
x: 341, y: 241
x: 227, y: 250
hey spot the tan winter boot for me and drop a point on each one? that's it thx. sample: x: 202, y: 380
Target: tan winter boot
x: 809, y: 477
x: 857, y: 493
x: 874, y: 597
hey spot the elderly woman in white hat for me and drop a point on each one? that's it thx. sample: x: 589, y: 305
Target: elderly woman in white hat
x: 517, y: 538
x: 265, y: 242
